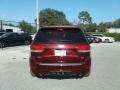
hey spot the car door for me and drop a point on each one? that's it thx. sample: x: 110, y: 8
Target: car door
x: 20, y: 39
x: 11, y: 39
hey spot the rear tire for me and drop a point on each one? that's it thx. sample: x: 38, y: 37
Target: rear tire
x: 2, y: 45
x: 35, y: 75
x: 107, y: 40
x: 87, y: 74
x: 26, y: 42
x: 32, y: 74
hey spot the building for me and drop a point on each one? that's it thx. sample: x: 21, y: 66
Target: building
x: 7, y: 28
x: 113, y: 30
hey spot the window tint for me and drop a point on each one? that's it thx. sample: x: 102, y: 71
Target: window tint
x: 6, y: 34
x: 24, y: 34
x: 12, y: 35
x: 1, y: 34
x: 9, y: 35
x: 67, y: 35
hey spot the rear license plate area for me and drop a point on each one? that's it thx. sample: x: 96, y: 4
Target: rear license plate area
x: 60, y: 52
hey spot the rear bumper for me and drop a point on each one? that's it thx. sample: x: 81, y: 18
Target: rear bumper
x: 60, y: 64
x: 60, y: 68
x: 112, y: 40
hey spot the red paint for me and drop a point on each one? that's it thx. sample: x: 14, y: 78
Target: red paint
x: 42, y: 53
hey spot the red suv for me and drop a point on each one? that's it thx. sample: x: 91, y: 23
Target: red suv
x: 60, y: 50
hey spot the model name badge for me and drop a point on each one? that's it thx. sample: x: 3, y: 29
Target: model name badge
x: 60, y: 52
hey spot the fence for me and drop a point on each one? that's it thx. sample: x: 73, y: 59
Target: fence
x: 13, y: 26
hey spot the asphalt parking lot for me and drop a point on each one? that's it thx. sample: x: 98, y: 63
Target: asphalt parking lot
x: 105, y: 71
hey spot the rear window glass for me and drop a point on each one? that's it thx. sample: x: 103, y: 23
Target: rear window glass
x: 24, y: 34
x: 67, y: 35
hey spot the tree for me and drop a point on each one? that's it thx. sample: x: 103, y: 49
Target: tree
x: 50, y: 17
x: 108, y: 24
x: 116, y: 23
x: 85, y: 17
x: 91, y: 27
x: 101, y: 27
x: 26, y: 27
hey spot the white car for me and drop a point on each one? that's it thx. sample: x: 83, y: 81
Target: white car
x: 104, y: 39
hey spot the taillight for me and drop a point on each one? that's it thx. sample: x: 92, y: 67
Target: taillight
x: 39, y: 51
x: 37, y: 48
x: 84, y: 51
x: 85, y: 48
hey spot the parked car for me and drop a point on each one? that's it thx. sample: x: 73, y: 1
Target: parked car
x: 60, y: 50
x: 105, y: 39
x: 9, y: 39
x: 97, y: 39
x: 90, y: 38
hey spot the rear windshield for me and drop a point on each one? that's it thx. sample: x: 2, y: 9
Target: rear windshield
x: 68, y: 35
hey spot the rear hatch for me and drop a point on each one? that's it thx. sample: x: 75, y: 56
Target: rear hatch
x: 60, y: 45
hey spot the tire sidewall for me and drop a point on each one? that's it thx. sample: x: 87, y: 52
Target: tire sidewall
x: 27, y: 42
x: 2, y: 45
x: 107, y: 40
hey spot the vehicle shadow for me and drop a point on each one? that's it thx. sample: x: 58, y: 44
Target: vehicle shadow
x: 59, y: 77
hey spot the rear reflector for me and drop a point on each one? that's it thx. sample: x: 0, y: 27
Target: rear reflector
x: 39, y: 51
x: 84, y: 51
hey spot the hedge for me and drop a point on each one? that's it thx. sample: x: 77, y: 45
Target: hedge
x: 116, y: 36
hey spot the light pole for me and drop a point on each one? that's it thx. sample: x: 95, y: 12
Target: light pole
x: 37, y: 14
